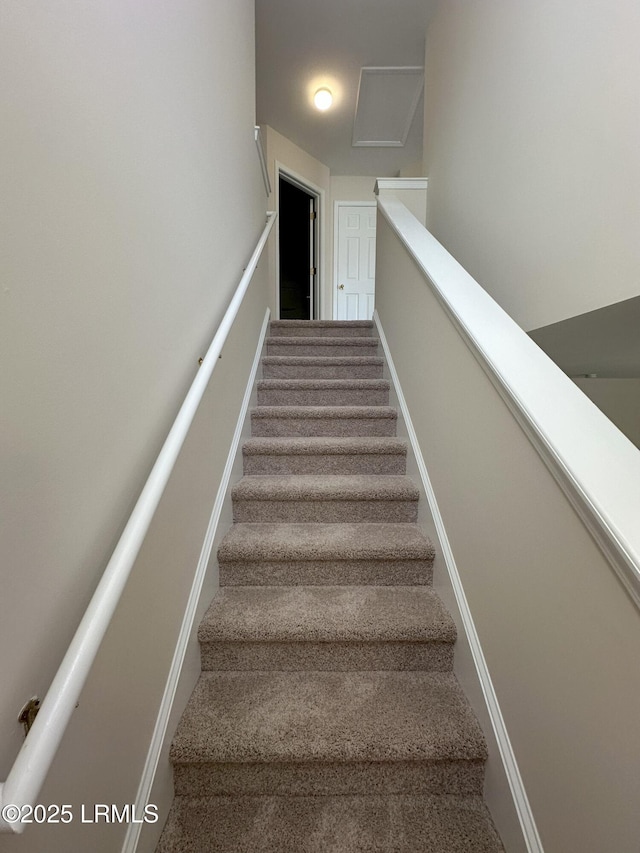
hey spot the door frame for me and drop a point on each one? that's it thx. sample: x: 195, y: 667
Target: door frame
x: 336, y: 232
x: 317, y: 193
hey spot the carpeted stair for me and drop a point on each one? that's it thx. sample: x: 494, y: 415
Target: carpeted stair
x: 327, y: 718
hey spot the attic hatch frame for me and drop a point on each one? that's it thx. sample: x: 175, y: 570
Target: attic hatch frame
x: 412, y: 78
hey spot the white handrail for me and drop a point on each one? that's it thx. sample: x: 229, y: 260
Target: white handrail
x: 595, y: 464
x: 26, y: 777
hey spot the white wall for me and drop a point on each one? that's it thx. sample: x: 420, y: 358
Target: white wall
x: 353, y: 188
x: 413, y: 170
x: 619, y: 399
x: 532, y: 130
x: 132, y: 199
x: 293, y: 158
x: 280, y: 151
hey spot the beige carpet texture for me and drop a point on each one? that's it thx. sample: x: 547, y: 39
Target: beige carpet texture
x: 327, y: 718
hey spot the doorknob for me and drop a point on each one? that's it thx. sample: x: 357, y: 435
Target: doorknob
x: 341, y: 287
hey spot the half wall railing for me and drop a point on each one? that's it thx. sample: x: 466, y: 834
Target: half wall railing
x: 595, y: 463
x: 538, y: 497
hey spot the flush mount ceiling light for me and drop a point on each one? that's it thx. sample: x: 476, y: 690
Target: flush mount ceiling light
x: 323, y: 99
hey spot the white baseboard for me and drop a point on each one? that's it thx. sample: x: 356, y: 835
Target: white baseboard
x: 187, y: 628
x: 521, y: 804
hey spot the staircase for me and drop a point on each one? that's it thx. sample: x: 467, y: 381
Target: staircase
x: 327, y: 718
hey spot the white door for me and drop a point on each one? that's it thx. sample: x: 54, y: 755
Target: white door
x: 356, y: 261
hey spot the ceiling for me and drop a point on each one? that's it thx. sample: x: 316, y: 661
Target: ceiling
x: 604, y: 342
x: 304, y: 44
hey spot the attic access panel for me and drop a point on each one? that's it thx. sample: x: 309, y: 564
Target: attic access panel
x: 387, y: 101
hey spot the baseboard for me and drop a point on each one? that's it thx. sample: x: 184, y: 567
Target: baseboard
x: 188, y: 623
x: 530, y: 839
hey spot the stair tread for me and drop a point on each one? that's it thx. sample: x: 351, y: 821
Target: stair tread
x: 322, y: 324
x: 337, y: 445
x: 322, y: 328
x: 325, y: 487
x: 322, y: 392
x: 323, y: 360
x: 343, y: 717
x: 341, y: 824
x: 327, y: 614
x: 325, y: 341
x: 328, y: 412
x: 325, y: 384
x: 361, y: 541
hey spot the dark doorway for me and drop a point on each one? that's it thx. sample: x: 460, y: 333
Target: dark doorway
x: 297, y: 219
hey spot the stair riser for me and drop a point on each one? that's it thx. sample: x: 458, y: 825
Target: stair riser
x: 345, y: 657
x: 357, y: 463
x: 399, y: 824
x: 336, y: 331
x: 330, y: 779
x: 297, y: 347
x: 289, y: 427
x: 327, y: 573
x: 323, y: 397
x: 325, y: 512
x: 321, y: 371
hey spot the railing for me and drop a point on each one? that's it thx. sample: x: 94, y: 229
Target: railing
x: 535, y: 503
x: 32, y: 763
x: 597, y: 467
